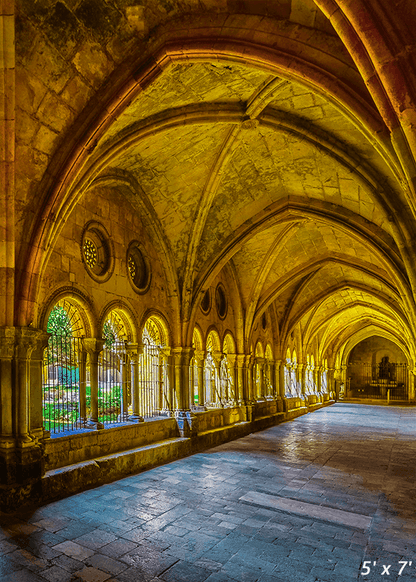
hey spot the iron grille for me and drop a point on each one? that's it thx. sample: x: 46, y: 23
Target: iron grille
x: 61, y: 383
x: 378, y: 382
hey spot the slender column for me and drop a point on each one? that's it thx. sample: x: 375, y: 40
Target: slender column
x: 182, y: 357
x: 187, y: 421
x: 250, y: 383
x: 232, y: 398
x: 282, y: 379
x: 319, y: 378
x: 260, y: 389
x: 301, y: 379
x: 82, y: 366
x: 23, y: 350
x: 240, y: 388
x: 330, y: 380
x: 134, y: 351
x: 412, y: 378
x: 200, y: 357
x: 94, y: 347
x: 123, y: 359
x: 217, y: 359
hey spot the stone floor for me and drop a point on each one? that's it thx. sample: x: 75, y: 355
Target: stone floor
x: 329, y: 496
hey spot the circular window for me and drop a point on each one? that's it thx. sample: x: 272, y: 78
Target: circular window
x: 206, y: 302
x: 96, y: 252
x: 138, y: 268
x: 221, y: 301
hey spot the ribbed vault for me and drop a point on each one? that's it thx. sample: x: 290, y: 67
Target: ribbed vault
x: 257, y: 152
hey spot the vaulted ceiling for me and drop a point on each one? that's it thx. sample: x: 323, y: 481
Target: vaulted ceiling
x: 282, y: 170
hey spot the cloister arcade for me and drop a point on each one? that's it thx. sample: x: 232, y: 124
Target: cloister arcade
x: 208, y: 222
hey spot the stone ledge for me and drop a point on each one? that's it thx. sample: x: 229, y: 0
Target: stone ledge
x: 86, y: 474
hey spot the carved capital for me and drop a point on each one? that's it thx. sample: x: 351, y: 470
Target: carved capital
x: 93, y: 347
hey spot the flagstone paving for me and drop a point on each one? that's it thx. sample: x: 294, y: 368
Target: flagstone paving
x: 257, y: 509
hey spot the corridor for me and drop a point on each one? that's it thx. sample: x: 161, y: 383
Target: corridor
x: 329, y: 496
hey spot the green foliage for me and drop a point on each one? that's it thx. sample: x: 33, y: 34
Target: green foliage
x: 109, y: 334
x: 59, y: 323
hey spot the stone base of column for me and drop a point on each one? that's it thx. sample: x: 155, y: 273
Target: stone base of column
x: 136, y: 418
x: 82, y: 423
x: 123, y: 417
x: 187, y: 423
x: 166, y: 412
x: 94, y: 424
x: 249, y: 412
x: 21, y: 471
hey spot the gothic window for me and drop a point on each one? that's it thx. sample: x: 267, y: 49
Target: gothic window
x: 154, y: 389
x: 113, y: 372
x: 212, y: 381
x: 61, y: 373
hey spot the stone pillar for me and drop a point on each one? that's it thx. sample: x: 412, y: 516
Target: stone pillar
x: 200, y: 358
x: 217, y: 359
x: 232, y: 398
x: 184, y: 417
x: 82, y: 366
x: 21, y: 453
x: 241, y: 385
x: 301, y: 379
x: 35, y: 390
x: 124, y: 361
x: 7, y: 342
x: 330, y: 381
x: 171, y: 394
x: 277, y: 385
x: 134, y: 351
x: 94, y: 347
x: 165, y: 384
x: 317, y: 377
x: 260, y: 389
x: 412, y: 380
x: 249, y: 383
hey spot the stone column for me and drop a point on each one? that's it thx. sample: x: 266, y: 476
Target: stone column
x: 241, y: 385
x: 35, y: 390
x: 166, y: 387
x: 232, y: 398
x: 249, y: 377
x: 94, y: 347
x: 412, y: 379
x: 7, y: 343
x: 277, y: 384
x: 21, y: 460
x: 217, y: 359
x: 23, y: 350
x: 124, y: 361
x: 260, y: 365
x: 184, y: 417
x: 134, y: 351
x: 300, y: 376
x: 200, y: 358
x: 82, y: 366
x: 330, y: 381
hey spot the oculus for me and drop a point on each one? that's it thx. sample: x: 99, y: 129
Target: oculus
x: 206, y: 302
x: 221, y: 301
x: 138, y: 268
x: 96, y: 252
